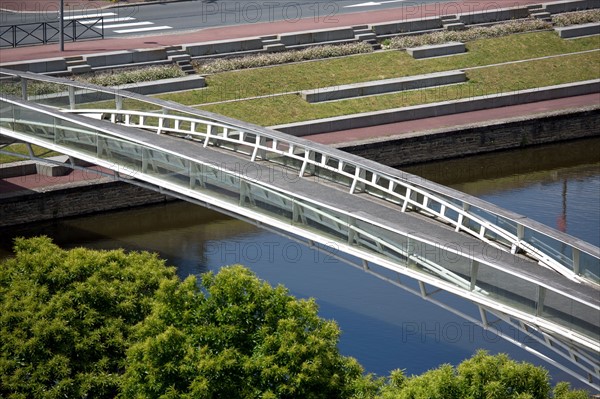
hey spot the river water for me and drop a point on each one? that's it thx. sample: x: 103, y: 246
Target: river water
x: 383, y: 326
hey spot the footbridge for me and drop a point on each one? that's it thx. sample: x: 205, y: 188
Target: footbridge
x: 419, y: 235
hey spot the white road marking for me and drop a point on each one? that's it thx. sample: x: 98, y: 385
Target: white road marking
x: 107, y: 20
x: 129, y: 24
x: 87, y: 16
x: 373, y: 3
x: 143, y: 29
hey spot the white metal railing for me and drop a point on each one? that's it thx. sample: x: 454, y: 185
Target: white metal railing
x: 568, y: 256
x: 361, y: 178
x: 107, y: 146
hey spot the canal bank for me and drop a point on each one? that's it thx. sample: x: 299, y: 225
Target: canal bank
x: 35, y: 198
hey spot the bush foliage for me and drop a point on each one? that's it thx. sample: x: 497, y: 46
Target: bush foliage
x: 66, y: 318
x: 470, y: 34
x: 110, y: 324
x: 120, y: 77
x: 576, y: 17
x: 266, y: 59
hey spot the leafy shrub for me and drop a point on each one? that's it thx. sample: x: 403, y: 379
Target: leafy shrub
x: 66, y: 317
x: 576, y: 17
x: 121, y: 77
x: 266, y: 59
x: 481, y: 32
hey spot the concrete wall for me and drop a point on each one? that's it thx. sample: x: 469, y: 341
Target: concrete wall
x: 437, y: 50
x: 568, y: 32
x: 316, y: 36
x: 38, y: 66
x: 383, y: 86
x: 73, y: 200
x: 223, y: 47
x: 481, y: 17
x: 436, y: 109
x: 570, y: 5
x: 155, y: 87
x: 125, y: 57
x: 463, y: 141
x: 392, y: 28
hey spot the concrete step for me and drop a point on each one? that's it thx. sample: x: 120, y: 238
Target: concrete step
x: 448, y: 17
x: 365, y: 37
x: 271, y: 41
x: 188, y: 69
x: 546, y: 16
x: 179, y: 57
x: 76, y: 62
x: 73, y: 58
x: 531, y: 7
x: 269, y: 38
x: 79, y: 69
x: 360, y: 27
x: 274, y: 47
x: 455, y: 26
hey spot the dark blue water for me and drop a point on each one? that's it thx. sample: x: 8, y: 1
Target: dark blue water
x: 383, y: 326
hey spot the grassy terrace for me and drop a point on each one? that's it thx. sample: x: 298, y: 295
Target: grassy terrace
x: 240, y: 85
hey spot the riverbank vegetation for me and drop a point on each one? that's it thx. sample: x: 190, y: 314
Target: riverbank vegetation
x: 106, y: 324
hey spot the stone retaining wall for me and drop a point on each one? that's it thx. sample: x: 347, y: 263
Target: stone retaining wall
x: 469, y: 140
x: 73, y: 200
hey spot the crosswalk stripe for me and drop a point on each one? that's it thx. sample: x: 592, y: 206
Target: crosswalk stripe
x: 107, y: 20
x: 127, y: 24
x: 87, y: 16
x: 143, y: 29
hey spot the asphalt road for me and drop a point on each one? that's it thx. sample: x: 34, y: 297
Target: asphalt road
x: 194, y: 15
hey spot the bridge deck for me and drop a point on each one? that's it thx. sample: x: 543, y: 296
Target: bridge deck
x: 390, y: 218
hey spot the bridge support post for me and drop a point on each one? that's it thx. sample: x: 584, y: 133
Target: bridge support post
x: 474, y: 271
x: 541, y: 295
x: 71, y: 97
x: 24, y: 89
x: 118, y: 102
x: 352, y: 236
x: 576, y: 261
x: 297, y: 213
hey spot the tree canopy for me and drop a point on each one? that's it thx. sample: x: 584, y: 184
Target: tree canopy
x: 66, y: 317
x: 110, y: 324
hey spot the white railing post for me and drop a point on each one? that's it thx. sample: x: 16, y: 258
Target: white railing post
x: 24, y: 89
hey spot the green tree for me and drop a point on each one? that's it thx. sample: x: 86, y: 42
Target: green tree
x: 483, y: 376
x: 233, y: 336
x: 66, y: 317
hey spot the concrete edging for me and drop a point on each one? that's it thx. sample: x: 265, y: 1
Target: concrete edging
x: 572, y: 31
x: 437, y: 50
x: 155, y: 87
x: 383, y: 86
x: 367, y: 119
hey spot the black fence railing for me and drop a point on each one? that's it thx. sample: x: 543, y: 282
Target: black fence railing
x: 49, y: 32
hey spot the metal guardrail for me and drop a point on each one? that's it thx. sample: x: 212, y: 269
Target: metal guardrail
x: 511, y: 235
x: 573, y: 258
x: 48, y: 32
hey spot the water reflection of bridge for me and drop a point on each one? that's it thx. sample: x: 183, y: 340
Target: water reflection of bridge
x: 515, y: 270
